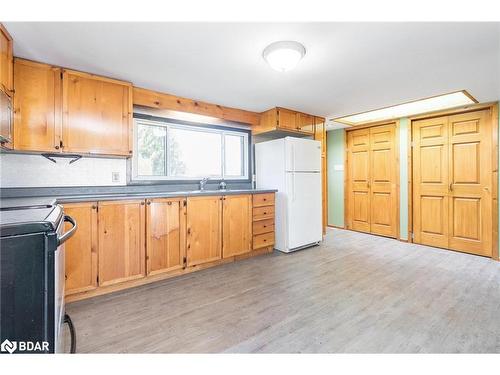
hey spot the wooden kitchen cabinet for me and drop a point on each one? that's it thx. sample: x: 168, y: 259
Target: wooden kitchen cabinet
x: 285, y: 120
x: 165, y: 234
x: 37, y: 107
x: 263, y: 209
x: 121, y: 241
x: 237, y: 225
x: 81, y: 249
x: 97, y: 114
x: 204, y: 229
x: 6, y: 62
x: 305, y: 123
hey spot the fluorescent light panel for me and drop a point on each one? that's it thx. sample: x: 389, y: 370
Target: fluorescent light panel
x: 436, y: 103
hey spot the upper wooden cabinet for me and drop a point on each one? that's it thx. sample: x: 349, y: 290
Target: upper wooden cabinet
x: 6, y: 61
x: 97, y: 114
x: 58, y: 110
x: 237, y: 225
x: 37, y: 107
x: 204, y: 229
x: 121, y: 241
x: 165, y: 234
x: 283, y: 119
x: 81, y: 249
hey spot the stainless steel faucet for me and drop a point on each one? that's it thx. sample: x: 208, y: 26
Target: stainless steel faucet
x: 203, y: 182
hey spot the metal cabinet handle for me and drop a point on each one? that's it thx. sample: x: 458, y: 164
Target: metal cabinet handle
x: 66, y: 236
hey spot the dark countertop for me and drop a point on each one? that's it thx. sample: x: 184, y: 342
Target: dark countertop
x: 51, y: 200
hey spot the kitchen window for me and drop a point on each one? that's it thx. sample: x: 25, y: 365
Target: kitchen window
x: 170, y: 150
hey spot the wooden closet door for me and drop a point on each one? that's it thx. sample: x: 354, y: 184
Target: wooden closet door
x: 358, y: 146
x: 470, y: 183
x: 430, y: 181
x: 383, y: 175
x: 165, y: 235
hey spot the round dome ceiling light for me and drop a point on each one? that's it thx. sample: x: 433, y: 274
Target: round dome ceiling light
x: 284, y: 55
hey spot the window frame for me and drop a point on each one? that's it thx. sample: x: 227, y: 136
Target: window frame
x: 192, y: 126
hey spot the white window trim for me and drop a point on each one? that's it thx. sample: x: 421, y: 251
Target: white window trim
x: 245, y: 156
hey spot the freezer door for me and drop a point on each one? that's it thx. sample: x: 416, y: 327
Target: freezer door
x: 304, y: 209
x: 302, y: 155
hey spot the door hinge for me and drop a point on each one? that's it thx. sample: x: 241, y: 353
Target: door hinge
x: 97, y: 280
x: 61, y: 74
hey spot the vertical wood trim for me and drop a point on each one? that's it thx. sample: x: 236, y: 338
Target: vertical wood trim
x: 494, y: 165
x: 397, y: 160
x: 410, y: 180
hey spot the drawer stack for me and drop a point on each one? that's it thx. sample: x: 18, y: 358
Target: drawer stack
x: 263, y: 221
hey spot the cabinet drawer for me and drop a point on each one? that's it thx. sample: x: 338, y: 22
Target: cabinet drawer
x: 263, y: 226
x: 263, y: 200
x: 263, y: 240
x: 261, y: 213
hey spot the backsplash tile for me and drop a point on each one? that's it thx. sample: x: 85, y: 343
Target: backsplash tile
x: 21, y: 170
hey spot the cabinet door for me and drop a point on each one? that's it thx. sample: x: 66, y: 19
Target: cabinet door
x: 6, y: 61
x: 121, y: 241
x: 165, y: 235
x: 81, y: 249
x: 37, y: 107
x: 204, y: 229
x: 287, y: 119
x: 97, y: 114
x: 237, y: 225
x: 305, y: 123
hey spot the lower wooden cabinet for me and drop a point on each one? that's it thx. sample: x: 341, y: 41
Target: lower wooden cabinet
x: 204, y: 229
x: 165, y: 235
x: 237, y: 225
x: 81, y: 249
x: 121, y: 241
x: 124, y: 243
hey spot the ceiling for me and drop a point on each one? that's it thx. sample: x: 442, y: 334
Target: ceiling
x: 348, y: 67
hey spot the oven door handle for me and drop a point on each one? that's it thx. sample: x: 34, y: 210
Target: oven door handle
x: 66, y: 236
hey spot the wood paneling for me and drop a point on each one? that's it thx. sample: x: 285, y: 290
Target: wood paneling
x: 237, y: 225
x: 165, y: 235
x: 204, y: 229
x: 6, y: 61
x: 159, y: 100
x: 372, y: 196
x: 81, y: 249
x: 121, y: 241
x: 37, y: 107
x: 452, y: 194
x: 97, y: 114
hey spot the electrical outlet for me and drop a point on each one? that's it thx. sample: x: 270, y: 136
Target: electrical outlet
x: 115, y: 176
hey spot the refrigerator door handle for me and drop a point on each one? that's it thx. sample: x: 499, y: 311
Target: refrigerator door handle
x: 293, y: 186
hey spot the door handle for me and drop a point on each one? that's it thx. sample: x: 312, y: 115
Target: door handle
x: 66, y: 236
x: 451, y: 186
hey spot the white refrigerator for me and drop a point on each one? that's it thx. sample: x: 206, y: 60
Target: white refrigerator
x: 293, y: 167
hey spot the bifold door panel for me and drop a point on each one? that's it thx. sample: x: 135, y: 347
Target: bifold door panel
x: 371, y: 180
x: 452, y: 180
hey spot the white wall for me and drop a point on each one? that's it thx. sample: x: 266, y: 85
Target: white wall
x: 18, y: 170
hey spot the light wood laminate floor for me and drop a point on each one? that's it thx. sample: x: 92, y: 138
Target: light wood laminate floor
x: 354, y: 293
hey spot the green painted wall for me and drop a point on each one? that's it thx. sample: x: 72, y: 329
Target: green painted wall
x: 335, y: 161
x: 403, y: 178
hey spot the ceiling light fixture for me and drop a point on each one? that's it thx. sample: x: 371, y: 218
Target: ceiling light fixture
x: 284, y: 55
x: 435, y: 103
